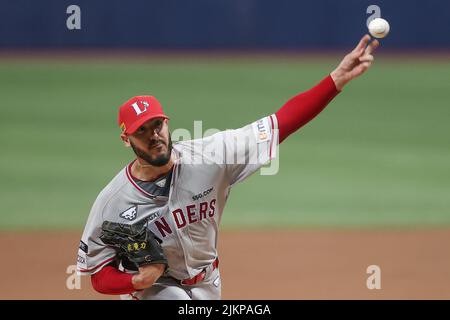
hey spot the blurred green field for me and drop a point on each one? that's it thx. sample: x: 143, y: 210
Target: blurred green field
x: 379, y: 155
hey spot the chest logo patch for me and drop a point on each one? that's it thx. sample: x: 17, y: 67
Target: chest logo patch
x: 130, y: 214
x: 161, y: 183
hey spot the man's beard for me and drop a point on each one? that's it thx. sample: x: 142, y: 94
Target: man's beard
x: 158, y: 161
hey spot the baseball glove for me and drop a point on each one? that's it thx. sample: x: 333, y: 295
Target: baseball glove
x: 136, y: 243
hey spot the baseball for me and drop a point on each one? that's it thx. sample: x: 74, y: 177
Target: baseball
x: 379, y: 28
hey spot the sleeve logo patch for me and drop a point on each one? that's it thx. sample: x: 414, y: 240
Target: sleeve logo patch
x: 261, y: 129
x: 81, y: 260
x: 83, y: 247
x: 130, y: 214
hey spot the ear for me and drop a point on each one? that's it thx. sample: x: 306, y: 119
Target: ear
x: 125, y: 139
x: 166, y: 124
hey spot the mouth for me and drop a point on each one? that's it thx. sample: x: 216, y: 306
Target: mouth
x: 156, y: 145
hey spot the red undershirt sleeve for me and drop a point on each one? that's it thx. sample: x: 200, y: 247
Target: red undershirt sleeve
x: 110, y: 280
x: 302, y: 108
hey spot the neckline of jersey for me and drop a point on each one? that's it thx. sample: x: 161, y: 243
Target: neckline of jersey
x: 152, y: 196
x: 152, y: 181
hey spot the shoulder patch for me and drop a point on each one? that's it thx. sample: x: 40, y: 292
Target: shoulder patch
x: 130, y: 214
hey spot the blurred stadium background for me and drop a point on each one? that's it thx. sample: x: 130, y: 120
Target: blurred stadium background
x: 375, y: 163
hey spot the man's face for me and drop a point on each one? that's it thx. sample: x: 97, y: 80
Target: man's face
x: 152, y: 142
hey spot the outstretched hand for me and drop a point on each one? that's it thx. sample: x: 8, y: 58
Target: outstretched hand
x: 355, y: 63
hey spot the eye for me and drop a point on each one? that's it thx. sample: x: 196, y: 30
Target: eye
x: 158, y: 125
x: 141, y: 130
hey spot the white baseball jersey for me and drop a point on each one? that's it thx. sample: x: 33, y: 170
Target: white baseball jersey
x: 188, y: 219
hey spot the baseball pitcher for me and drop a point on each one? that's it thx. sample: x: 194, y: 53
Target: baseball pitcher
x: 152, y: 231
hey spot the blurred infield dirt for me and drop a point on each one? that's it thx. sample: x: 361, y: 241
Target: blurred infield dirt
x: 415, y: 264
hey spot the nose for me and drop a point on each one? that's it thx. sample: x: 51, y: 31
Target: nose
x: 154, y: 133
x: 154, y: 137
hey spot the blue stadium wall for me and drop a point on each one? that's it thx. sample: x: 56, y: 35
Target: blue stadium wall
x: 220, y: 24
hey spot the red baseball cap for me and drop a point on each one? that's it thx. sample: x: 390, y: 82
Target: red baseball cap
x: 138, y: 110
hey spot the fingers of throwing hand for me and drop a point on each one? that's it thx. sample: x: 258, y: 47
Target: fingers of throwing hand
x: 364, y: 66
x: 372, y: 46
x: 366, y: 58
x: 359, y: 49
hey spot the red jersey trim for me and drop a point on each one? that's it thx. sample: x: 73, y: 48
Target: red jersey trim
x: 272, y: 122
x: 130, y: 178
x: 133, y: 296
